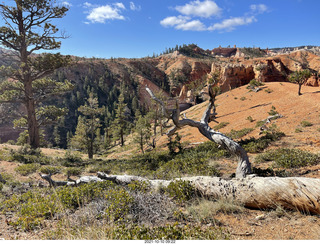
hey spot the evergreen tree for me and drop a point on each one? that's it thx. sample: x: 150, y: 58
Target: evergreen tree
x: 87, y: 135
x: 27, y: 28
x: 120, y: 123
x: 142, y: 131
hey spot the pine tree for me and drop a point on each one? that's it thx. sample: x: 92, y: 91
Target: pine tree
x: 27, y: 29
x: 120, y: 123
x: 142, y: 131
x: 87, y: 135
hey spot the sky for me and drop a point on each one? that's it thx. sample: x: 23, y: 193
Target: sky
x: 140, y: 28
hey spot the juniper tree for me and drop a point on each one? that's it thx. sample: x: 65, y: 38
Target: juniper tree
x: 28, y: 28
x: 300, y: 77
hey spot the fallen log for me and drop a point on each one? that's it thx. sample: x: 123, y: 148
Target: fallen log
x: 294, y: 193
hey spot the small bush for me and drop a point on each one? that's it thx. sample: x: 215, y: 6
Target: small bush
x: 260, y: 123
x: 250, y: 119
x: 289, y: 158
x: 255, y: 83
x: 273, y: 111
x: 72, y: 159
x: 298, y: 130
x: 268, y: 90
x: 254, y: 145
x: 305, y: 123
x: 27, y: 169
x: 236, y: 134
x: 181, y: 190
x: 73, y: 171
x: 28, y: 155
x: 50, y: 169
x: 243, y: 98
x: 220, y: 125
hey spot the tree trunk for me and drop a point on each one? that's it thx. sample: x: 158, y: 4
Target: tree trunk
x: 294, y: 193
x: 33, y: 128
x: 244, y: 166
x: 121, y: 137
x: 299, y: 91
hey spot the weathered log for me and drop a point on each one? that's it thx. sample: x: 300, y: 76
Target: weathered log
x: 69, y: 182
x: 244, y: 165
x: 295, y: 193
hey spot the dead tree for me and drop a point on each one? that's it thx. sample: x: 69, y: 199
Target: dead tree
x: 244, y: 166
x: 296, y: 193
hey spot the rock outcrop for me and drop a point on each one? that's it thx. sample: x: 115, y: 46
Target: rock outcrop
x: 233, y: 75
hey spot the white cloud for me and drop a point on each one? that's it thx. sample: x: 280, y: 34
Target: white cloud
x: 133, y: 7
x: 188, y: 20
x: 194, y: 25
x: 259, y: 8
x: 67, y: 4
x: 203, y: 9
x: 230, y: 24
x: 102, y: 13
x: 87, y: 5
x: 119, y: 5
x: 174, y: 20
x: 183, y: 23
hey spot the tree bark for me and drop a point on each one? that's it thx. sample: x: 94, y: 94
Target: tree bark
x: 244, y: 165
x: 294, y: 193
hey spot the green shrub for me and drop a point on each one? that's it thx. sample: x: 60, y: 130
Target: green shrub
x: 260, y: 123
x: 119, y: 204
x: 28, y: 155
x: 169, y: 232
x: 220, y: 125
x: 298, y: 130
x: 26, y: 169
x: 236, y: 134
x: 50, y: 169
x: 72, y: 159
x: 268, y: 90
x: 273, y: 111
x: 305, y: 123
x: 243, y: 98
x: 250, y: 119
x: 289, y: 158
x: 181, y: 190
x: 73, y: 171
x: 136, y: 232
x: 253, y: 145
x: 255, y: 83
x: 139, y: 186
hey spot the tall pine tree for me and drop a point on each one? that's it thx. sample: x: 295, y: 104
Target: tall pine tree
x: 27, y: 28
x: 120, y: 123
x: 87, y: 135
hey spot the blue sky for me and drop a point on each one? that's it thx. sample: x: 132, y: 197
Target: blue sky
x: 138, y: 28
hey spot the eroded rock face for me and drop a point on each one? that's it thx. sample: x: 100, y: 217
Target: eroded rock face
x: 271, y: 70
x: 198, y: 70
x: 233, y: 75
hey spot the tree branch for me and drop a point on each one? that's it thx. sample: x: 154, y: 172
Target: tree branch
x: 244, y: 166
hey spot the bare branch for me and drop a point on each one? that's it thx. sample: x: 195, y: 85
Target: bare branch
x: 164, y: 110
x: 244, y: 166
